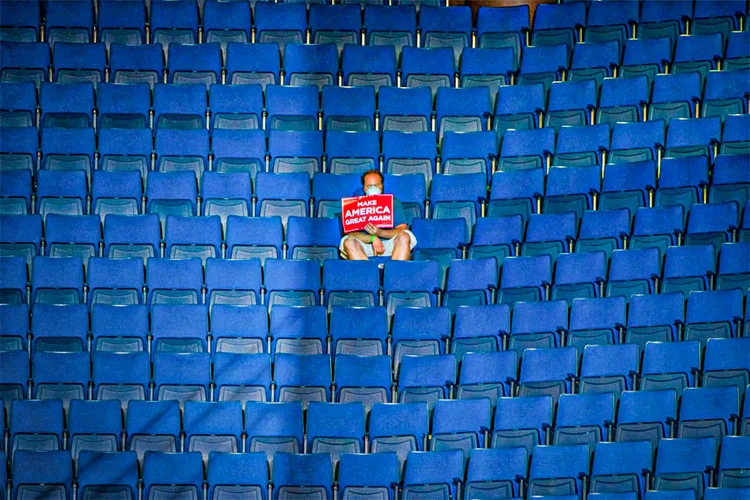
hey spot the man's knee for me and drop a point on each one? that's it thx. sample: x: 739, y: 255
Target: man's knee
x: 402, y: 239
x: 351, y: 244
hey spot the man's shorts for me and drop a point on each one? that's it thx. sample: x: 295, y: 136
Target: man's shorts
x: 388, y: 244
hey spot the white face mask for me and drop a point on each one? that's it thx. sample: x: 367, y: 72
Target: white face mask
x: 373, y: 190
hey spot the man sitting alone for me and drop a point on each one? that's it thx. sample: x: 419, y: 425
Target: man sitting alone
x: 395, y: 243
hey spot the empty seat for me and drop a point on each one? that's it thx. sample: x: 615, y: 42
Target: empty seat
x: 496, y: 237
x: 122, y: 23
x: 646, y: 416
x: 628, y: 185
x: 68, y: 150
x: 340, y: 25
x: 25, y: 62
x: 101, y: 473
x: 634, y: 142
x: 669, y: 365
x: 524, y: 149
x: 18, y: 148
x: 617, y: 467
x: 543, y: 64
x: 525, y: 279
x: 310, y: 65
x: 153, y: 426
x: 519, y: 107
x: 609, y: 368
x: 298, y: 330
x: 468, y: 152
x: 42, y: 473
x: 18, y: 104
x: 458, y: 197
x: 236, y: 473
x: 172, y: 473
x: 571, y: 104
x: 477, y: 331
x: 487, y: 375
x: 549, y: 234
x: 174, y: 23
x: 335, y: 428
x: 15, y: 319
x: 63, y: 376
x: 713, y: 315
x: 633, y: 272
x: 516, y: 193
x: 302, y: 378
x: 69, y: 21
x: 682, y: 181
x: 67, y: 105
x: 59, y: 329
x: 213, y: 427
x: 558, y: 24
x: 687, y: 269
x: 94, y: 426
x: 431, y: 473
x: 426, y: 378
x: 450, y: 27
x: 506, y: 27
x: 14, y: 280
x: 57, y: 281
x: 137, y: 64
x: 280, y: 24
x: 352, y: 152
x: 681, y: 463
x: 733, y: 462
x: 596, y: 321
x: 733, y: 271
x: 171, y: 193
x: 707, y: 412
x: 729, y: 182
x: 302, y: 475
x: 460, y: 425
x: 119, y: 329
x: 132, y: 236
x: 725, y: 363
x: 647, y: 57
x: 364, y: 379
x: 410, y: 283
x: 698, y: 53
x: 254, y: 237
x: 123, y: 377
x: 596, y: 59
x: 123, y: 150
x: 665, y: 20
x: 462, y: 110
x: 292, y: 282
x: 584, y: 419
x: 368, y: 65
x: 657, y: 227
x: 433, y: 68
x: 35, y: 425
x: 350, y: 283
x: 182, y: 150
x: 675, y: 96
x: 21, y: 22
x: 235, y: 282
x: 182, y: 376
x: 116, y: 192
x: 179, y: 327
x: 78, y: 63
x: 558, y: 469
x: 399, y: 428
x: 15, y: 377
x: 495, y: 471
x: 350, y: 109
x: 548, y: 371
x: 257, y: 63
x: 181, y: 107
x: 409, y: 153
x: 188, y: 237
x: 239, y: 329
x: 195, y: 64
x: 174, y: 281
x: 712, y: 223
x: 405, y: 110
x: 581, y: 146
x: 734, y: 142
x: 538, y: 324
x: 273, y: 427
x: 73, y: 236
x: 737, y: 54
x: 419, y: 331
x: 580, y: 275
x: 367, y: 474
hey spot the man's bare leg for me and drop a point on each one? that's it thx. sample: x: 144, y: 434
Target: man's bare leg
x: 401, y: 247
x: 354, y: 249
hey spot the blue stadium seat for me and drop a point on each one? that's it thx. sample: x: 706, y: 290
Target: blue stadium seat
x: 121, y: 376
x: 239, y: 151
x: 35, y: 425
x: 113, y: 327
x: 237, y: 473
x: 489, y: 67
x: 293, y: 151
x: 611, y: 22
x: 409, y: 153
x: 310, y: 65
x: 733, y: 268
x: 350, y: 283
x: 571, y: 104
x: 68, y: 150
x: 609, y: 369
x: 94, y: 426
x: 496, y: 237
x: 122, y: 22
x: 236, y: 106
x: 524, y: 149
x: 548, y: 372
x: 123, y: 106
x: 646, y: 416
x: 181, y: 107
x: 425, y: 378
x: 733, y: 463
x: 115, y: 281
x: 283, y: 25
x: 633, y: 272
x: 669, y: 365
x: 681, y: 463
x: 302, y: 378
x: 470, y: 283
x: 549, y: 234
x: 495, y: 471
x: 173, y: 474
x: 519, y: 107
x: 67, y: 105
x: 22, y: 236
x: 300, y: 475
x: 708, y: 412
x: 468, y: 152
x: 25, y: 62
x: 293, y: 282
x: 405, y: 110
x: 153, y: 426
x: 136, y: 64
x: 580, y: 275
x: 581, y: 146
x: 725, y: 363
x: 737, y: 55
x: 729, y: 182
x: 335, y: 428
x: 687, y: 269
x: 368, y: 65
x: 257, y: 63
x: 103, y: 473
x: 367, y: 474
x: 617, y: 467
x: 433, y: 68
x: 363, y: 379
x: 446, y: 27
x: 691, y: 137
x: 462, y: 110
x: 227, y: 193
x: 123, y: 149
x: 399, y: 428
x: 273, y: 427
x: 623, y: 100
x: 298, y: 330
x: 182, y: 376
x: 628, y: 185
x: 338, y: 25
x: 213, y: 427
x: 718, y: 19
x: 174, y: 23
x: 69, y: 21
x: 290, y: 198
x: 419, y: 331
x: 132, y: 236
x: 18, y: 104
x: 584, y: 419
x: 73, y: 236
x: 538, y: 324
x: 116, y: 192
x: 385, y: 26
x: 559, y: 469
x: 172, y: 193
x: 348, y: 108
x: 14, y: 384
x: 234, y: 282
x: 635, y: 142
x: 681, y: 181
x: 42, y: 473
x: 20, y: 22
x: 347, y: 337
x: 657, y: 227
x: 516, y: 192
x: 522, y: 422
x: 79, y: 62
x: 665, y: 20
x: 458, y: 197
x: 349, y: 152
x: 675, y: 96
x: 179, y: 328
x: 505, y: 27
x: 461, y: 425
x: 329, y: 189
x: 525, y: 279
x: 191, y: 237
x: 713, y: 315
x: 733, y: 140
x: 174, y: 281
x: 543, y: 64
x: 647, y: 57
x: 240, y: 330
x: 57, y: 281
x: 15, y: 319
x: 254, y: 237
x: 410, y: 284
x: 13, y: 284
x: 487, y: 375
x: 725, y: 93
x: 182, y: 150
x: 226, y: 23
x: 433, y: 474
x: 596, y: 321
x: 698, y: 53
x: 559, y: 24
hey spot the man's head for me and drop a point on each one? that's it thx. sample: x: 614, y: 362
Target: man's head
x: 372, y: 182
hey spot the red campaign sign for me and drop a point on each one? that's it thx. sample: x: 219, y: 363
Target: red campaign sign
x: 357, y: 212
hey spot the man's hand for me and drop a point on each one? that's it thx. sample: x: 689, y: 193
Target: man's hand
x: 372, y: 229
x: 377, y: 246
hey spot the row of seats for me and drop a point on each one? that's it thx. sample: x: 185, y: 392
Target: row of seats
x: 559, y: 471
x: 441, y: 279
